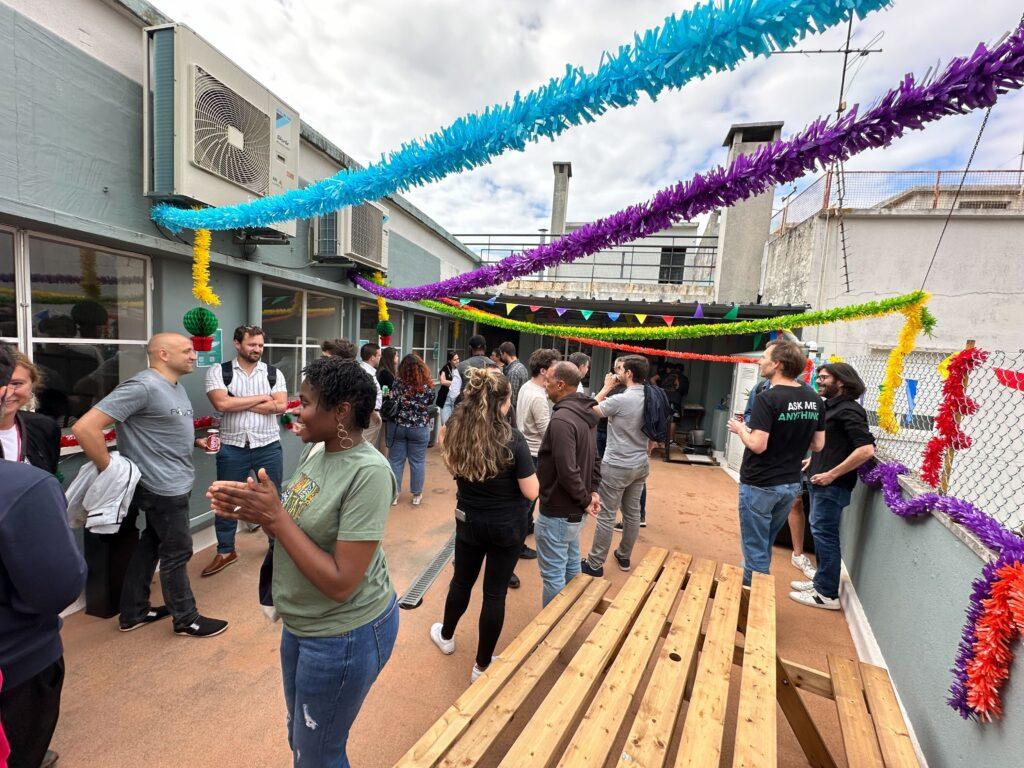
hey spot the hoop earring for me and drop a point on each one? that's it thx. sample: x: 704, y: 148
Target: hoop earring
x: 343, y: 437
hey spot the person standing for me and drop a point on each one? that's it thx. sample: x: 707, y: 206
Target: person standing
x: 513, y: 368
x: 786, y: 420
x: 409, y: 434
x: 369, y: 355
x: 848, y: 444
x: 33, y: 438
x: 445, y: 377
x: 497, y: 484
x: 582, y: 361
x: 570, y: 474
x: 625, y: 465
x: 331, y: 584
x: 155, y: 431
x: 249, y: 395
x: 533, y: 409
x: 387, y: 370
x: 477, y: 359
x: 41, y: 573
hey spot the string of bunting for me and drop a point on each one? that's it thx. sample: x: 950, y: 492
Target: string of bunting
x: 708, y: 38
x: 966, y: 84
x: 641, y: 317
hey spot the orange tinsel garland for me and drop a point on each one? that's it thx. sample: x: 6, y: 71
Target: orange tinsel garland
x: 1001, y: 623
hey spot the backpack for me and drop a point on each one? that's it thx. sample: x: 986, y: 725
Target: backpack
x: 227, y: 370
x: 657, y: 414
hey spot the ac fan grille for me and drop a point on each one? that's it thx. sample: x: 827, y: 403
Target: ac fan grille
x: 218, y: 108
x: 366, y: 232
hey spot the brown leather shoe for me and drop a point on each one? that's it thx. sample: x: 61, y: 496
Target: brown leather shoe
x: 219, y: 563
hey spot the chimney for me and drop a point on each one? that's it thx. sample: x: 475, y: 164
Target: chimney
x: 560, y: 200
x: 744, y: 226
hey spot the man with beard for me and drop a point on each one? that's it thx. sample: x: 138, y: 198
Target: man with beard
x: 249, y: 395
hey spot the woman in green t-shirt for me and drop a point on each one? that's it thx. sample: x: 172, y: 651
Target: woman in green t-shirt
x: 331, y: 585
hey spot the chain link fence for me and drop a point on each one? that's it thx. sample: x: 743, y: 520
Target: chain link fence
x: 989, y: 473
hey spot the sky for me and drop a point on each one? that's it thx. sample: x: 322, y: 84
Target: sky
x: 372, y: 75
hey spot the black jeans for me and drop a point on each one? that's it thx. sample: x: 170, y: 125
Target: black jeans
x: 167, y: 539
x: 29, y: 713
x: 499, y: 543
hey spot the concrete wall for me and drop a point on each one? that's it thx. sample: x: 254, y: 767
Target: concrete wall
x: 913, y: 579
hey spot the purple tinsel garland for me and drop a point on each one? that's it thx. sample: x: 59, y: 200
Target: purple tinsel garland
x: 990, y: 532
x: 966, y: 84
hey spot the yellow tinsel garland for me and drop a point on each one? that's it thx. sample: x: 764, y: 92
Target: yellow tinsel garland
x: 201, y: 269
x: 382, y: 304
x: 893, y: 377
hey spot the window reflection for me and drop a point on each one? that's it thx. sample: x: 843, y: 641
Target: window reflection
x: 77, y: 376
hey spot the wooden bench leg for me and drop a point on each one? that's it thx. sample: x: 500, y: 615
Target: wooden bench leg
x: 800, y: 721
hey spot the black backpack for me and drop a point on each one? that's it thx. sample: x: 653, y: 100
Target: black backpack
x: 657, y: 414
x: 227, y: 370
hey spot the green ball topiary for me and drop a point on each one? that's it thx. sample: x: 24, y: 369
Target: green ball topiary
x: 385, y: 328
x: 200, y: 322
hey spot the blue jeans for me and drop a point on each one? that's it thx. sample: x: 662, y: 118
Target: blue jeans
x: 763, y: 512
x: 558, y: 553
x: 325, y: 682
x: 408, y: 443
x: 827, y: 504
x: 234, y: 463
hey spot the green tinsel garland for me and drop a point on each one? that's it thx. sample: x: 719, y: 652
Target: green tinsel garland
x: 802, y: 320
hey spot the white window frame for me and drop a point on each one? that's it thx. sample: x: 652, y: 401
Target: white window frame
x: 422, y: 351
x: 303, y: 342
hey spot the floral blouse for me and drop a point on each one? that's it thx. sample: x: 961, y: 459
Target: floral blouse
x: 412, y: 405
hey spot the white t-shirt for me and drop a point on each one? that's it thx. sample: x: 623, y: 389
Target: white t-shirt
x: 533, y: 412
x: 9, y: 440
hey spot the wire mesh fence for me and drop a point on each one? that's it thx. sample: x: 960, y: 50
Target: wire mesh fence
x: 990, y: 472
x: 903, y: 190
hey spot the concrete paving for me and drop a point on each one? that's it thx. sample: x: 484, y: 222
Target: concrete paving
x: 150, y: 698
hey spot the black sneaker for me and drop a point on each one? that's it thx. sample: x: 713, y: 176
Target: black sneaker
x: 528, y: 553
x: 586, y: 569
x: 622, y: 561
x: 203, y: 627
x: 513, y: 583
x: 154, y: 614
x: 618, y: 526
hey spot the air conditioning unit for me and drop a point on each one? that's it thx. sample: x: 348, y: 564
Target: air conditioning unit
x: 212, y: 135
x: 354, y: 234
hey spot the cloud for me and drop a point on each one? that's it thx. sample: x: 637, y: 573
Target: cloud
x: 370, y: 76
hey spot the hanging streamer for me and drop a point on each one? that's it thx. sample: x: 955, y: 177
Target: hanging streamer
x: 893, y: 377
x: 201, y: 289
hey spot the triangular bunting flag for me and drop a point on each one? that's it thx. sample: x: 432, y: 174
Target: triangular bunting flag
x: 464, y: 302
x: 613, y: 316
x: 492, y: 300
x: 911, y: 385
x: 534, y: 307
x: 757, y: 340
x: 698, y: 312
x: 669, y: 319
x: 586, y: 313
x: 559, y: 311
x: 773, y: 335
x: 640, y: 318
x: 732, y: 314
x: 509, y: 308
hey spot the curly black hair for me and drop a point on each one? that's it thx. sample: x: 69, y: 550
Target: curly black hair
x: 338, y: 381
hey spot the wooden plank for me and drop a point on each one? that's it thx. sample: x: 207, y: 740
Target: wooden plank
x: 545, y: 734
x: 854, y: 720
x: 651, y: 732
x: 701, y: 742
x: 479, y: 736
x: 800, y: 721
x: 600, y: 726
x: 809, y: 679
x: 890, y: 727
x: 443, y: 733
x: 755, y: 724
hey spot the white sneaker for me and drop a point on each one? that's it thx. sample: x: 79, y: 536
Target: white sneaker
x: 417, y: 499
x: 447, y: 646
x: 802, y: 563
x: 814, y: 600
x: 394, y: 502
x: 477, y: 671
x: 270, y: 612
x: 802, y: 586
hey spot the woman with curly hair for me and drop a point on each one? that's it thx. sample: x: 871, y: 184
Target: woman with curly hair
x: 408, y: 434
x: 331, y: 585
x: 497, y: 484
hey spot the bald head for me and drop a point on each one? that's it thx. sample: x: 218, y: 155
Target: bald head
x: 171, y: 354
x: 566, y: 372
x: 165, y: 342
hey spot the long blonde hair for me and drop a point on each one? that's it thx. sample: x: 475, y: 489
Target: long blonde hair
x: 477, y: 436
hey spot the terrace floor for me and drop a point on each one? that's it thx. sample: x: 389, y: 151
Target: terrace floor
x: 151, y: 698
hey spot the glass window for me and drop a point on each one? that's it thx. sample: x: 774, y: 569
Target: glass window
x: 673, y: 265
x: 8, y: 305
x: 426, y: 334
x: 287, y: 360
x: 295, y: 322
x: 282, y: 315
x: 83, y: 292
x: 368, y: 326
x: 323, y: 318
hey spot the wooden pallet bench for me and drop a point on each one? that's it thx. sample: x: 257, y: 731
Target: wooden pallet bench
x: 698, y: 608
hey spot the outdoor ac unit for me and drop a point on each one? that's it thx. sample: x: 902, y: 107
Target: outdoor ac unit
x: 212, y: 135
x: 355, y: 233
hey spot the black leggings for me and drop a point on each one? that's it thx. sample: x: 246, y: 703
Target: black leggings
x: 500, y: 543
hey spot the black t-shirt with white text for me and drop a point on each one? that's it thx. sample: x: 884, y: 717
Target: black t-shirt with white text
x: 790, y: 416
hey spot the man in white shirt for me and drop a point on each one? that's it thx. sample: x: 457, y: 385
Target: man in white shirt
x: 249, y: 395
x: 582, y: 361
x: 369, y: 359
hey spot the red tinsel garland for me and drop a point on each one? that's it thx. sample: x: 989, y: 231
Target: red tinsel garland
x: 734, y: 359
x: 955, y: 403
x: 999, y: 626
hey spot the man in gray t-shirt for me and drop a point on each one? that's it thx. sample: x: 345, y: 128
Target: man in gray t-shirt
x: 155, y: 431
x: 624, y: 467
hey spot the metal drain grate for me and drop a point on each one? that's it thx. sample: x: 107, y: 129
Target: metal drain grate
x: 413, y: 596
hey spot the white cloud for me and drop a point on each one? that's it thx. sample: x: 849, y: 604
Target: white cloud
x: 370, y: 76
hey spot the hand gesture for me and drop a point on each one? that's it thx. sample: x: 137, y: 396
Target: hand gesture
x: 611, y: 381
x: 254, y: 501
x: 823, y: 478
x: 735, y: 425
x: 595, y: 505
x: 804, y: 465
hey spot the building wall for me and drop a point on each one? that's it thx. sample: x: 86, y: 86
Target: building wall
x: 913, y: 579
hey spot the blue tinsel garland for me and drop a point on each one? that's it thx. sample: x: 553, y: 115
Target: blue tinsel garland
x: 706, y: 39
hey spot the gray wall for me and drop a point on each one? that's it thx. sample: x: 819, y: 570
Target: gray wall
x: 416, y: 265
x: 914, y: 580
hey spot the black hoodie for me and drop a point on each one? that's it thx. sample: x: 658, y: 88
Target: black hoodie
x: 567, y: 464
